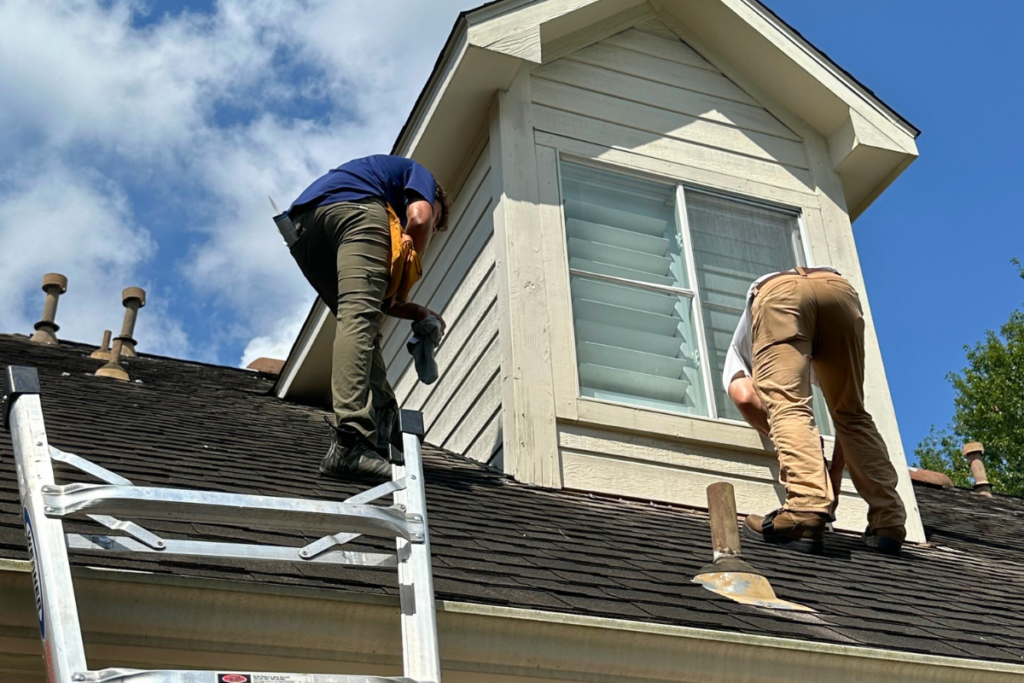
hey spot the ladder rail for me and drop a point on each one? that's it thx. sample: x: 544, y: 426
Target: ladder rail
x: 415, y: 577
x: 45, y: 504
x: 234, y: 551
x: 59, y: 627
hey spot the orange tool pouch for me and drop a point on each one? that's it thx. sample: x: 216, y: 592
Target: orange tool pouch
x: 406, y: 268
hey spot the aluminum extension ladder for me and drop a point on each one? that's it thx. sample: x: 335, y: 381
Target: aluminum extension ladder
x: 46, y: 504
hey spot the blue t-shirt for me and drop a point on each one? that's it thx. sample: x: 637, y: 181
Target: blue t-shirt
x: 396, y: 180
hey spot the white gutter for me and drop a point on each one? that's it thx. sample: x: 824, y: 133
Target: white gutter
x: 142, y: 620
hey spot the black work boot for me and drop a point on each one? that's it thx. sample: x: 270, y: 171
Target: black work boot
x: 888, y: 540
x: 386, y: 419
x: 352, y: 456
x: 803, y: 531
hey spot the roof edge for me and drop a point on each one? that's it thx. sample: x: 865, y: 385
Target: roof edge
x: 474, y: 637
x: 455, y: 36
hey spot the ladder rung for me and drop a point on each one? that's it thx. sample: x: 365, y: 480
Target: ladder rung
x: 187, y: 676
x: 184, y: 505
x: 124, y: 544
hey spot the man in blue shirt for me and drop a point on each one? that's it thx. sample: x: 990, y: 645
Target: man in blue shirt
x: 344, y: 249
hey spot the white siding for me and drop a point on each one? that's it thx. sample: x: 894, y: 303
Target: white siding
x: 641, y: 467
x: 641, y: 92
x: 462, y: 409
x: 646, y: 100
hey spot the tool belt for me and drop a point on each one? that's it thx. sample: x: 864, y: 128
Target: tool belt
x: 799, y: 271
x: 406, y: 267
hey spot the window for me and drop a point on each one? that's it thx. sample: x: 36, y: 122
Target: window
x: 636, y: 328
x: 658, y: 276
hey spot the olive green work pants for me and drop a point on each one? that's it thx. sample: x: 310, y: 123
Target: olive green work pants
x: 344, y: 250
x: 800, y: 321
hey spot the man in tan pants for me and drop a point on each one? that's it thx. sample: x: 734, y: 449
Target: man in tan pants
x: 799, y: 320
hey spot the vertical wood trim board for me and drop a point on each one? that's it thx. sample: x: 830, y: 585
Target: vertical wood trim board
x: 530, y: 443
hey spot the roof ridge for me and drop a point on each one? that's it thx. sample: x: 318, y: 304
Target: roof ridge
x: 70, y: 344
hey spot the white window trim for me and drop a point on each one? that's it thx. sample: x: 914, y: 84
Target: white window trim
x: 683, y: 225
x: 681, y: 185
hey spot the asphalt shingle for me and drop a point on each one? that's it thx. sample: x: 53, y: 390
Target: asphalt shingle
x: 495, y: 541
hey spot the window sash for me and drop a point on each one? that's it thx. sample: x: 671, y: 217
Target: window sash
x: 693, y: 292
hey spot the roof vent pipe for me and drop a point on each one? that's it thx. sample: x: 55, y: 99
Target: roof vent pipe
x: 54, y: 284
x: 729, y: 575
x: 974, y: 453
x: 103, y: 353
x: 133, y: 299
x: 113, y: 368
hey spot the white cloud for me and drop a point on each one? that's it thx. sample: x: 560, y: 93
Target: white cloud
x: 91, y: 99
x: 278, y: 342
x: 75, y: 223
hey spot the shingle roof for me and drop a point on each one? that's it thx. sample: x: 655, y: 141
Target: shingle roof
x: 496, y: 541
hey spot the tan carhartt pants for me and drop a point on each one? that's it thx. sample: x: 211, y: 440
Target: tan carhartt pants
x: 815, y: 319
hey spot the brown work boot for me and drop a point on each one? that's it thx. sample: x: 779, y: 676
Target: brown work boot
x: 803, y: 531
x: 888, y: 540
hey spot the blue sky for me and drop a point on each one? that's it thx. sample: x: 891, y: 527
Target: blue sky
x: 141, y: 141
x: 936, y: 247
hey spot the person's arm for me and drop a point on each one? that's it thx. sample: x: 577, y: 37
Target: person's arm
x: 741, y: 391
x: 411, y: 311
x: 419, y: 224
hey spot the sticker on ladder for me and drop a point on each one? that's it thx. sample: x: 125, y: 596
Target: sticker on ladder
x: 37, y: 585
x: 263, y: 678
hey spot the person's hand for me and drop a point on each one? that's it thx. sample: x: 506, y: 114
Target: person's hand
x: 427, y: 312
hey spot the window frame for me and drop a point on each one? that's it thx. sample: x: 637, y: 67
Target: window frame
x: 680, y: 186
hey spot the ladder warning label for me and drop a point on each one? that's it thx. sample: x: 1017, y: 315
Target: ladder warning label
x: 263, y: 678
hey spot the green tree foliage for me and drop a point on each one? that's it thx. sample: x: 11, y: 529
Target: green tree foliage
x: 989, y: 407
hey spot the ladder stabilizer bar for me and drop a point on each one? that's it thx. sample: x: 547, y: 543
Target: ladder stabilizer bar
x: 184, y: 505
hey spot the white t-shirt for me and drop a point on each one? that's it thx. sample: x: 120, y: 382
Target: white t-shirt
x: 740, y: 356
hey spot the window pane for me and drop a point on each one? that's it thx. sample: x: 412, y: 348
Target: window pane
x: 637, y: 346
x: 622, y: 227
x: 734, y: 243
x: 633, y: 345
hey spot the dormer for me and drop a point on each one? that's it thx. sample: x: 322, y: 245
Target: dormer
x: 622, y: 171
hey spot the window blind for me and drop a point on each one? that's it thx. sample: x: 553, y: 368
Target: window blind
x: 734, y: 243
x: 636, y: 341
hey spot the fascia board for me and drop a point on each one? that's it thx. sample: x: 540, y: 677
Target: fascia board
x: 783, y: 64
x: 830, y: 66
x: 433, y: 91
x: 141, y: 617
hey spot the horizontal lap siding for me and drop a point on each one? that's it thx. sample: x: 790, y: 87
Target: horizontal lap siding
x: 462, y: 409
x: 655, y: 469
x: 641, y: 92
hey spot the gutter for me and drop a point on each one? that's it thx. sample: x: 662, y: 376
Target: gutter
x: 141, y: 619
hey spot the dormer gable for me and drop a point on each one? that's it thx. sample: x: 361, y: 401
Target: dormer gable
x: 622, y: 172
